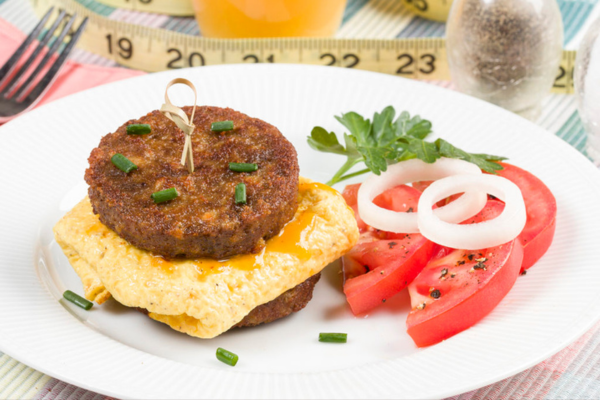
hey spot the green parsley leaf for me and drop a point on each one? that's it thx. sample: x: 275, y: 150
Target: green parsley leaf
x: 387, y: 141
x: 359, y: 127
x: 483, y: 161
x: 322, y: 140
x: 423, y: 150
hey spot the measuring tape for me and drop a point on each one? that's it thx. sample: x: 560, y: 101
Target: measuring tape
x: 180, y: 8
x: 152, y: 50
x: 436, y: 10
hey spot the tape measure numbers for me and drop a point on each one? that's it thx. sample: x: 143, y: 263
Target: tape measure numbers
x: 436, y: 10
x: 154, y: 50
x: 178, y: 8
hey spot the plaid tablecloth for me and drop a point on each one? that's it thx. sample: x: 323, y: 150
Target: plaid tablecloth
x: 573, y: 373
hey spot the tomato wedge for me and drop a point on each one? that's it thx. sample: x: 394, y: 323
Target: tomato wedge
x: 383, y: 263
x: 540, y: 205
x: 458, y: 288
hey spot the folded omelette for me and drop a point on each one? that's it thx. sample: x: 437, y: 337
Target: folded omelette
x: 205, y: 297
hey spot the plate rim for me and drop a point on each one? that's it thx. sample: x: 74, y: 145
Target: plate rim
x: 574, y: 335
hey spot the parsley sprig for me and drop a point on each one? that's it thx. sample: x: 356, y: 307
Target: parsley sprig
x: 387, y: 141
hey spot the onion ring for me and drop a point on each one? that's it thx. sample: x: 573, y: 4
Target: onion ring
x: 502, y: 229
x: 414, y: 170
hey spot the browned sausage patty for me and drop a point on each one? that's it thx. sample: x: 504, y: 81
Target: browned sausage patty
x: 294, y: 300
x: 204, y: 221
x: 291, y: 301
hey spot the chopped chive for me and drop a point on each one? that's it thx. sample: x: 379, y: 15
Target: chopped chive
x: 123, y: 163
x: 242, y: 167
x: 164, y: 195
x: 240, y: 194
x: 227, y: 357
x: 333, y: 337
x: 138, y: 129
x: 78, y: 300
x: 221, y: 126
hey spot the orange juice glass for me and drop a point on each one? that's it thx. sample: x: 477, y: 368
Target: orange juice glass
x: 268, y: 18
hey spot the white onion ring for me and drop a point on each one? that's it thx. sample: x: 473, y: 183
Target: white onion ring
x: 502, y: 229
x: 415, y: 170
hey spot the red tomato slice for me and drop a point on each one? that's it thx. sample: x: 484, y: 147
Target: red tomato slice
x: 401, y: 198
x: 383, y: 263
x: 388, y: 266
x: 422, y: 185
x: 540, y: 205
x: 350, y: 194
x: 458, y: 288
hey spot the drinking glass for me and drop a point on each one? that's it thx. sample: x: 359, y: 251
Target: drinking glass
x: 268, y: 18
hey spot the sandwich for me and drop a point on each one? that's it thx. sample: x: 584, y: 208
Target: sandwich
x: 238, y: 242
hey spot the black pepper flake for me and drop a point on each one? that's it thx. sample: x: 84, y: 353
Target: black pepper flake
x: 461, y: 262
x: 524, y: 272
x: 383, y: 300
x: 382, y: 272
x: 392, y: 244
x: 480, y: 265
x: 471, y: 257
x: 367, y: 268
x: 410, y: 210
x: 435, y: 294
x: 452, y: 275
x: 422, y: 306
x: 444, y: 273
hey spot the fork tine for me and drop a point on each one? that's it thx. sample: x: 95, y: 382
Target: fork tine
x: 25, y: 86
x: 50, y: 75
x: 47, y: 36
x: 12, y: 61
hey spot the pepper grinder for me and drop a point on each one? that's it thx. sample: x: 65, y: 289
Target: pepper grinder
x: 506, y: 52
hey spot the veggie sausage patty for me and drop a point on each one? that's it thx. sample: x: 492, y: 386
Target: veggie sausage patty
x: 204, y: 220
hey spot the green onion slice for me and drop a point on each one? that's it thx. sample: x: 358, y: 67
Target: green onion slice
x: 240, y: 193
x: 242, y: 167
x: 138, y: 129
x: 78, y: 300
x: 123, y: 163
x: 221, y: 126
x: 333, y: 337
x: 164, y: 195
x: 227, y: 357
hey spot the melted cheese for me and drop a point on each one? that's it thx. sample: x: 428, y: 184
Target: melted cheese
x: 205, y: 297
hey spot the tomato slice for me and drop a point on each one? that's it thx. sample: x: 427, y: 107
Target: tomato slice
x: 350, y: 194
x: 458, y: 288
x: 388, y: 265
x: 540, y: 205
x: 422, y: 185
x: 400, y: 198
x: 383, y: 263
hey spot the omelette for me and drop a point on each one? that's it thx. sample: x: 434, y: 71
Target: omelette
x: 205, y: 297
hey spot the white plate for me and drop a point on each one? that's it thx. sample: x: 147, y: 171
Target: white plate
x: 119, y: 352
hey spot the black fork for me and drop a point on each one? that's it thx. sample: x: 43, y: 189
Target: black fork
x: 18, y: 96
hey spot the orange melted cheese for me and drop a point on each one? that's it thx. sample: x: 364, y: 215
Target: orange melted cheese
x: 288, y: 241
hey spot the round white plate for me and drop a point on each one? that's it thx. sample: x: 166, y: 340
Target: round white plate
x: 119, y: 352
